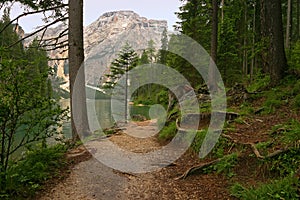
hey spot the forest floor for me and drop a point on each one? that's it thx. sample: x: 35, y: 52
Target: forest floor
x: 89, y: 179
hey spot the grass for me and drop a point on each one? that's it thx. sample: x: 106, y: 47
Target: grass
x: 225, y: 166
x: 26, y: 176
x: 297, y: 101
x: 168, y: 132
x: 286, y: 188
x: 287, y: 133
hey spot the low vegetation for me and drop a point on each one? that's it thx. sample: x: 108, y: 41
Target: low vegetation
x: 28, y: 175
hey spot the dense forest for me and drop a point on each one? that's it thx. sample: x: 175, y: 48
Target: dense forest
x: 255, y: 46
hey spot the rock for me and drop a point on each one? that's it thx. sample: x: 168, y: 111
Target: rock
x: 105, y: 37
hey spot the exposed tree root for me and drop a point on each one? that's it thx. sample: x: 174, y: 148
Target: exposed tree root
x: 253, y: 147
x: 198, y: 168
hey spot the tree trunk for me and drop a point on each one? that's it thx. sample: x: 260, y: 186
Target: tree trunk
x: 245, y: 51
x: 298, y: 20
x: 214, y: 46
x: 222, y: 10
x: 288, y: 25
x: 253, y: 45
x: 274, y: 58
x: 79, y: 120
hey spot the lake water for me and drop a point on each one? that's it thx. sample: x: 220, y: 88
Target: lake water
x: 105, y: 115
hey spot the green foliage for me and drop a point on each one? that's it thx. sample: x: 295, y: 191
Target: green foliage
x: 162, y: 97
x: 127, y: 59
x: 181, y: 65
x: 28, y: 113
x: 285, y: 163
x: 294, y: 62
x: 260, y: 82
x: 296, y: 88
x: 263, y: 146
x: 271, y: 105
x: 38, y: 165
x: 195, y: 21
x: 144, y: 58
x: 226, y: 165
x: 297, y: 101
x: 229, y: 58
x: 163, y: 53
x: 168, y: 132
x: 198, y: 140
x: 288, y: 136
x: 246, y: 108
x: 285, y: 188
x: 275, y: 98
x: 287, y: 133
x: 140, y: 111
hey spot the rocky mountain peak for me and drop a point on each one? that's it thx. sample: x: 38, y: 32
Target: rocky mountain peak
x: 105, y: 37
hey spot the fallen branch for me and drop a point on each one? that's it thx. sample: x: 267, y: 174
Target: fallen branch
x: 256, y: 152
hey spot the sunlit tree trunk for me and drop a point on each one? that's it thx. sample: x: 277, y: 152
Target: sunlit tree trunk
x: 76, y: 60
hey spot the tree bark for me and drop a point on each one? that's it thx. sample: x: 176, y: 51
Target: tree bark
x: 79, y: 121
x: 214, y: 46
x: 298, y: 19
x: 288, y: 25
x: 253, y: 44
x: 274, y: 58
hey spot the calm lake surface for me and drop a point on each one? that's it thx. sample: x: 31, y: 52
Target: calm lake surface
x: 104, y: 118
x: 104, y: 113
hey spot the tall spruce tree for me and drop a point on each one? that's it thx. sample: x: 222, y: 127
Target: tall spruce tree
x: 162, y: 54
x: 126, y: 60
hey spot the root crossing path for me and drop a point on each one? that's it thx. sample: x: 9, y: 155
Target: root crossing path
x: 92, y: 180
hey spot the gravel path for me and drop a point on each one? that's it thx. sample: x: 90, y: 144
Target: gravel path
x: 92, y: 180
x: 89, y: 180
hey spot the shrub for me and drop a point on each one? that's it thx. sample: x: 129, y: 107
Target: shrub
x: 26, y: 176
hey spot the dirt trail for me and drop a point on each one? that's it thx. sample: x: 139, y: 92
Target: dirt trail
x: 92, y: 180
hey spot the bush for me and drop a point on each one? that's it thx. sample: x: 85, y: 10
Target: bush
x: 25, y: 177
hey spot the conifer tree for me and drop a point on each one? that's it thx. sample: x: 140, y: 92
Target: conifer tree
x: 126, y: 60
x: 164, y: 47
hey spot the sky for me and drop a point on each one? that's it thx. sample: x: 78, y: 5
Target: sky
x: 93, y: 9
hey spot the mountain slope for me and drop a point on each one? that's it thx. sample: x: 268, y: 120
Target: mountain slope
x: 104, y: 38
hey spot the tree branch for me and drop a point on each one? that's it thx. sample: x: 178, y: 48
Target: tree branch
x: 30, y: 13
x: 52, y: 59
x: 37, y: 31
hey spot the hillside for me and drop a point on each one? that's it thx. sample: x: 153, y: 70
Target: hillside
x: 104, y: 38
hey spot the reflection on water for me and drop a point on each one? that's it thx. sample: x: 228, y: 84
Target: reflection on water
x: 104, y: 117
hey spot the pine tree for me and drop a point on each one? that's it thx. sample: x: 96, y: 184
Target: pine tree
x: 127, y: 59
x: 163, y: 53
x: 144, y: 58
